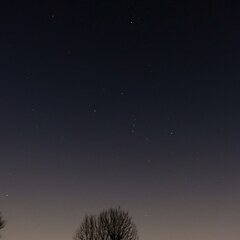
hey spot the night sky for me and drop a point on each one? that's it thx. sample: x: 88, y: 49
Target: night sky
x: 120, y: 103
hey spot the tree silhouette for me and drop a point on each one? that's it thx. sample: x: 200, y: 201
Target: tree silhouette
x: 112, y: 224
x: 2, y: 223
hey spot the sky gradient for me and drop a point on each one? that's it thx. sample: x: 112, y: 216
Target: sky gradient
x: 132, y: 104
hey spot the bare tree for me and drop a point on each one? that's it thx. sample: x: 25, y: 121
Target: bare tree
x: 112, y: 224
x: 2, y: 223
x: 88, y: 229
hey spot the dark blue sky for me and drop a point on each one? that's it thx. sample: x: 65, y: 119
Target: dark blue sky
x: 126, y: 103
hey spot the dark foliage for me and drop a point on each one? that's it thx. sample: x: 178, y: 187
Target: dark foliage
x: 2, y: 223
x: 112, y: 224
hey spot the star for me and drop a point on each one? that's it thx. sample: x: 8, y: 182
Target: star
x: 147, y: 139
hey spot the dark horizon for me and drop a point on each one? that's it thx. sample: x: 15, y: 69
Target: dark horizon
x: 132, y: 104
